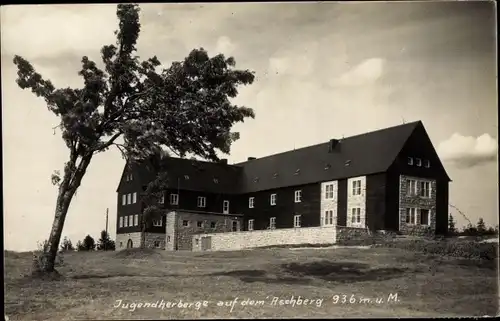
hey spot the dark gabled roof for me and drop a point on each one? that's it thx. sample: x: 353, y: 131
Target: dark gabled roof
x: 197, y: 175
x: 360, y: 155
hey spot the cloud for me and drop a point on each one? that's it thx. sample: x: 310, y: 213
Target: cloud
x: 225, y: 46
x: 296, y: 65
x: 365, y: 73
x: 468, y: 151
x: 56, y: 29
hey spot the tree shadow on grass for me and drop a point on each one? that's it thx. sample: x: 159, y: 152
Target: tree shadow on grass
x: 305, y: 273
x: 240, y: 273
x: 343, y: 272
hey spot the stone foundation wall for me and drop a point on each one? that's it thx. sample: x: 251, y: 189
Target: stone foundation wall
x: 150, y: 239
x: 250, y: 239
x: 122, y: 239
x: 182, y: 236
x: 170, y: 231
x: 352, y: 235
x: 155, y: 241
x: 419, y: 202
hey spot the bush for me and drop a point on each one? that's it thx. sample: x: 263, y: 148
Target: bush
x: 39, y: 256
x: 455, y: 248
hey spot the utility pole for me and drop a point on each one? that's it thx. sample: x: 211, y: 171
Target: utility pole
x: 107, y: 210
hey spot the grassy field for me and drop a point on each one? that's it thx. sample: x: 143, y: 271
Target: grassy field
x: 92, y: 284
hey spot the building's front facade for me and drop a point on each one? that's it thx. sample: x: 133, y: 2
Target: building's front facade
x: 391, y: 179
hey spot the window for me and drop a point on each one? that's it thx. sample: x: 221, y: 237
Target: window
x: 121, y: 244
x: 125, y: 221
x: 410, y: 160
x: 212, y: 224
x: 216, y: 181
x: 296, y: 221
x: 136, y: 219
x: 197, y: 241
x: 174, y: 199
x: 157, y: 244
x: 235, y: 226
x: 185, y: 223
x: 275, y: 175
x: 251, y: 202
x: 412, y: 187
x: 162, y: 199
x: 129, y: 198
x: 124, y: 199
x: 297, y: 172
x: 273, y: 199
x: 158, y: 222
x: 424, y: 217
x: 130, y: 177
x: 131, y: 220
x: 186, y: 177
x: 134, y: 198
x: 328, y: 217
x: 329, y: 191
x: 427, y: 163
x: 250, y: 225
x: 272, y: 223
x: 168, y: 239
x: 356, y: 187
x: 199, y: 224
x: 225, y: 207
x: 411, y: 216
x: 298, y: 196
x: 202, y: 201
x: 418, y: 162
x: 120, y: 222
x: 356, y: 215
x: 425, y: 189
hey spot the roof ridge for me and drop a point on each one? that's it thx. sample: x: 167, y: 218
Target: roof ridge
x: 324, y: 143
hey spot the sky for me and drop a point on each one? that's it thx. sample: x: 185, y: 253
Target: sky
x: 323, y: 70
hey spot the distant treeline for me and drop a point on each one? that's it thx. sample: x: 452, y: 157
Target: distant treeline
x: 479, y: 229
x: 87, y: 244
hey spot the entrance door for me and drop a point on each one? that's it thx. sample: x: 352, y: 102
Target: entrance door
x: 206, y: 243
x: 235, y: 226
x: 130, y: 244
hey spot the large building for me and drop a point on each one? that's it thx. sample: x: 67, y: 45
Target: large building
x: 390, y: 179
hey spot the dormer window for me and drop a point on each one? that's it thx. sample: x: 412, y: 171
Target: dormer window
x: 348, y: 162
x: 129, y: 177
x: 427, y: 163
x: 275, y: 175
x: 256, y: 180
x: 186, y: 177
x: 418, y: 162
x: 327, y: 166
x: 297, y: 172
x: 216, y: 181
x: 410, y: 160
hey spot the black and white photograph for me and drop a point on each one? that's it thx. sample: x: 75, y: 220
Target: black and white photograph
x: 250, y: 160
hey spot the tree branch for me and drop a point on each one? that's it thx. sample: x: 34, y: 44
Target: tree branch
x: 105, y: 145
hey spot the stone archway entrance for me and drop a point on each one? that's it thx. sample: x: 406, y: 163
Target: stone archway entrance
x: 130, y: 244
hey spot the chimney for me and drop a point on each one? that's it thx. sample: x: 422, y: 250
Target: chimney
x: 251, y: 158
x: 334, y: 145
x: 223, y: 161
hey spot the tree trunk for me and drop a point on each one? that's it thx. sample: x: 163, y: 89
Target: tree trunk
x: 70, y: 183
